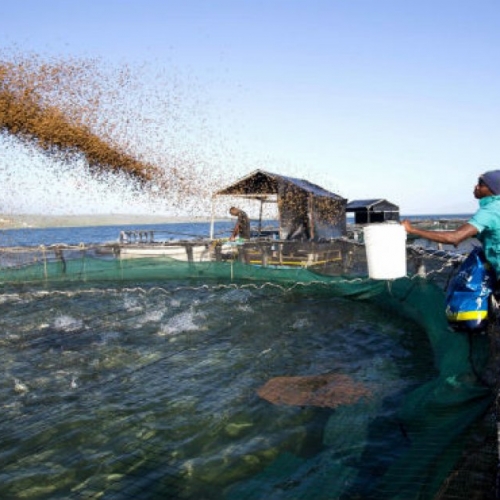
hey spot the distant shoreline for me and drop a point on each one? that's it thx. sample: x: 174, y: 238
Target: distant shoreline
x: 27, y: 221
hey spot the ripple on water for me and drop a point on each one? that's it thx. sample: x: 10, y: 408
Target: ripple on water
x: 184, y: 414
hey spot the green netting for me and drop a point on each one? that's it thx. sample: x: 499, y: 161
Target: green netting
x: 435, y: 421
x: 436, y: 416
x: 91, y: 268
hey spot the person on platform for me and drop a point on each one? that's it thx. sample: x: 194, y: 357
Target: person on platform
x: 242, y: 226
x: 483, y: 225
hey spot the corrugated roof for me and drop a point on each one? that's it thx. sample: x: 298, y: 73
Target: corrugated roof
x: 370, y: 204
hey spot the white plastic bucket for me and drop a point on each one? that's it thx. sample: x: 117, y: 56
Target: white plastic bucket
x: 385, y: 250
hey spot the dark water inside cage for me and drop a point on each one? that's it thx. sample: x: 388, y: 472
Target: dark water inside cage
x: 153, y: 390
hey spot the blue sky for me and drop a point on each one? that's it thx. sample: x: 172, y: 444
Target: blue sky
x: 390, y: 99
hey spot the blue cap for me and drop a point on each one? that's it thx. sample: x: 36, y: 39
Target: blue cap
x: 492, y: 180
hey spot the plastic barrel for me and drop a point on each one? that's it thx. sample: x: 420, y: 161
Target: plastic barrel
x: 385, y: 250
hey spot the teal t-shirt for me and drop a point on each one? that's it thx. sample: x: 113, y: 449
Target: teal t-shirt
x: 487, y: 221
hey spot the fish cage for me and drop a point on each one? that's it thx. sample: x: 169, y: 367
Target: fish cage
x: 225, y: 369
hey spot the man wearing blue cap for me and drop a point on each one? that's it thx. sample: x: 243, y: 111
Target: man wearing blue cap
x: 484, y: 224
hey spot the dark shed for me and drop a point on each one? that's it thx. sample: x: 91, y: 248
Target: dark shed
x: 305, y: 211
x: 376, y: 210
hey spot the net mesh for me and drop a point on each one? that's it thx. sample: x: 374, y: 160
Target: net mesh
x: 442, y: 438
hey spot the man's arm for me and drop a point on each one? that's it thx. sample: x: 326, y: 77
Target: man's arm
x: 447, y: 237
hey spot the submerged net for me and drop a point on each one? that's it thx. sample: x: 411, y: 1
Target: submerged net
x: 424, y: 429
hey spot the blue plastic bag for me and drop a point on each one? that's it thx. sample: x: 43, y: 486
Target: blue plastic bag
x: 467, y: 295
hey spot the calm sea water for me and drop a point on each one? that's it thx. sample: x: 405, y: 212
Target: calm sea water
x: 150, y: 391
x: 102, y: 234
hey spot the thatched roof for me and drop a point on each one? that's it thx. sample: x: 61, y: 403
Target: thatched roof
x: 260, y: 184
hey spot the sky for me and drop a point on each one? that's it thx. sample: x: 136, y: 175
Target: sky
x: 391, y: 99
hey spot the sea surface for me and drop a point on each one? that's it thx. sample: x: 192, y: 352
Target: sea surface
x: 151, y: 390
x: 106, y: 234
x: 167, y: 231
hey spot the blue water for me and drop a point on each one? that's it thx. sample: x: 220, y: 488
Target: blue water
x: 105, y: 234
x: 464, y: 216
